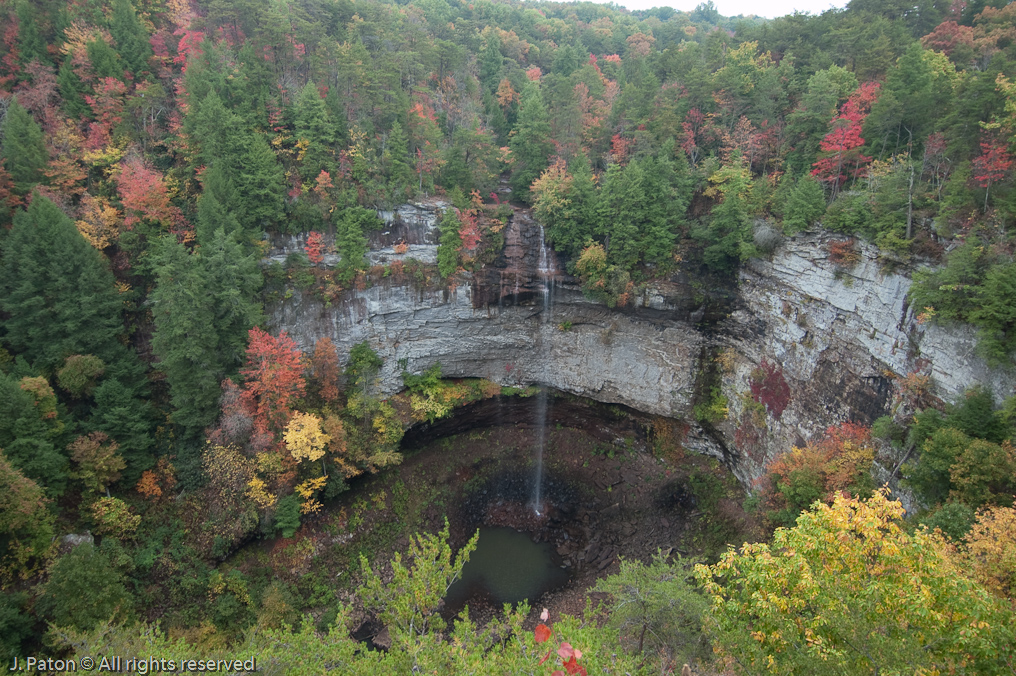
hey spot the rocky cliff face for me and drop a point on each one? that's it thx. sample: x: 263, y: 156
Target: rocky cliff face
x: 804, y: 344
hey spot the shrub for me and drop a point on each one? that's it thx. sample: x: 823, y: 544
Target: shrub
x: 768, y: 387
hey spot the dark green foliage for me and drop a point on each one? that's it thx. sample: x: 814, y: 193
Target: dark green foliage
x: 259, y: 185
x: 924, y: 425
x: 83, y: 590
x: 28, y: 439
x: 400, y: 171
x: 212, y: 215
x: 994, y: 313
x: 657, y: 609
x: 426, y: 383
x: 31, y: 44
x: 639, y: 209
x: 105, y: 62
x: 908, y: 105
x: 58, y: 291
x: 313, y: 127
x: 849, y: 213
x: 351, y: 241
x: 363, y: 365
x: 203, y: 305
x: 287, y: 515
x: 15, y: 625
x: 826, y: 91
x: 930, y: 476
x: 531, y: 144
x: 953, y: 518
x: 130, y: 37
x: 185, y: 338
x: 23, y: 150
x: 805, y: 205
x: 128, y: 419
x: 975, y: 415
x: 804, y: 486
x: 729, y: 238
x: 451, y: 243
x: 72, y: 91
x: 570, y: 228
x: 887, y: 429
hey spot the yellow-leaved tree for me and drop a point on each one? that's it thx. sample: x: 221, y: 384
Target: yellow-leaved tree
x: 304, y: 437
x: 848, y: 591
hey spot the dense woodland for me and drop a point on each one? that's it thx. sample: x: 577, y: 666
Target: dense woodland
x: 151, y: 148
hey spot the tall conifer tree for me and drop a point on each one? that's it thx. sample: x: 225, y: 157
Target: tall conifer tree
x: 58, y: 291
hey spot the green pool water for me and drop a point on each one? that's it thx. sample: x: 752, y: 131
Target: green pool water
x: 507, y: 567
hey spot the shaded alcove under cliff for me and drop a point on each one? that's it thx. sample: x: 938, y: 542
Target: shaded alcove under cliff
x: 607, y: 493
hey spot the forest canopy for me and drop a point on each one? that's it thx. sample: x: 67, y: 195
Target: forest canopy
x: 150, y: 150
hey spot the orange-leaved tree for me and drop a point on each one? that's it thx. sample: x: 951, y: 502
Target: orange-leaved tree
x: 273, y: 378
x: 838, y: 463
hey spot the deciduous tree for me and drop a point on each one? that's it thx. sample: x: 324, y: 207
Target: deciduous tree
x: 847, y: 590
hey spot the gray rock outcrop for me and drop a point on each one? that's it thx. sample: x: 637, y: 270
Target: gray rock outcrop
x: 840, y: 339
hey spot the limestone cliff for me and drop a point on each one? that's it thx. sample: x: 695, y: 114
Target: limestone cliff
x: 816, y: 343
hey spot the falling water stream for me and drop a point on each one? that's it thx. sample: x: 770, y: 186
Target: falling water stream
x: 546, y: 272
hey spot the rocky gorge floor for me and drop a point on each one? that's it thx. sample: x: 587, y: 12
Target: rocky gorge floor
x: 607, y: 495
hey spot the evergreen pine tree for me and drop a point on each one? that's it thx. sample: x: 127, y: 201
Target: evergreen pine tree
x: 28, y: 440
x: 805, y: 205
x: 531, y: 145
x: 490, y: 64
x: 212, y: 215
x: 350, y: 241
x: 234, y: 279
x: 24, y: 150
x: 105, y: 62
x: 621, y: 214
x: 259, y: 182
x: 337, y: 114
x: 313, y: 127
x: 72, y: 91
x: 400, y: 169
x: 130, y: 419
x: 31, y: 45
x: 728, y: 237
x: 450, y: 244
x: 84, y: 590
x: 130, y: 37
x: 185, y: 337
x: 204, y: 304
x: 57, y: 291
x: 214, y: 130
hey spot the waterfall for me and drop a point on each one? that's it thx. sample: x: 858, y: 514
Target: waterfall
x: 546, y: 272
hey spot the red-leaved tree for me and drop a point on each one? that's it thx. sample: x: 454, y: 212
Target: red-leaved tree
x: 842, y: 146
x: 273, y: 378
x: 144, y: 195
x: 315, y: 248
x: 992, y: 165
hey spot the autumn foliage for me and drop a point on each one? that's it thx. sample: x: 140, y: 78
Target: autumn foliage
x: 842, y: 157
x: 837, y: 464
x: 273, y: 378
x: 325, y: 369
